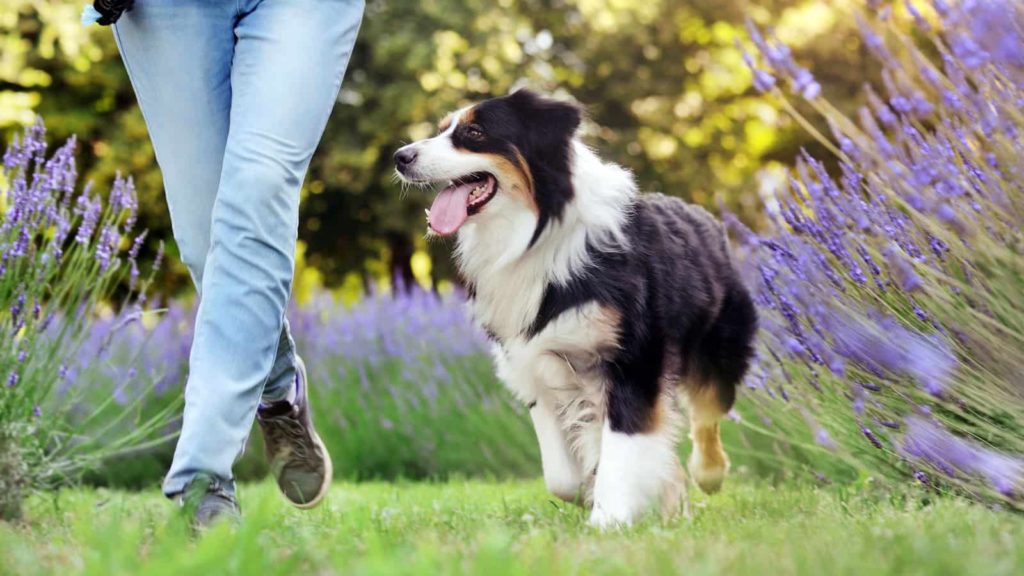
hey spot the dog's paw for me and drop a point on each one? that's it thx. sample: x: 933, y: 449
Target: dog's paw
x: 570, y: 492
x: 613, y: 518
x: 675, y: 496
x: 708, y: 473
x: 602, y: 520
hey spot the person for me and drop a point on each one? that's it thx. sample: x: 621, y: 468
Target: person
x: 236, y: 95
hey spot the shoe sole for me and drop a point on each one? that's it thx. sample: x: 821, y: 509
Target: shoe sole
x: 328, y: 464
x: 328, y: 477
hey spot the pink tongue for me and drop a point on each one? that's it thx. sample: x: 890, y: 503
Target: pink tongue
x: 449, y: 210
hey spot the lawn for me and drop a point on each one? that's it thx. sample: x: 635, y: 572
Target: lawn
x: 478, y: 527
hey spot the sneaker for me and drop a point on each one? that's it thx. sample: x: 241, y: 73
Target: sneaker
x: 206, y: 502
x: 298, y: 459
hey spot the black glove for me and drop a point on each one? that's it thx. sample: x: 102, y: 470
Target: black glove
x: 111, y: 10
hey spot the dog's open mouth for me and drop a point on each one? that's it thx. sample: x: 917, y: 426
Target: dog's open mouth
x: 459, y: 200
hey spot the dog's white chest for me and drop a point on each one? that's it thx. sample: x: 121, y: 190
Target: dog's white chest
x: 563, y: 358
x: 561, y: 368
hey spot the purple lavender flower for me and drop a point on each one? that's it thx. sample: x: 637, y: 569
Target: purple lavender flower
x: 873, y: 41
x: 927, y: 441
x: 888, y: 347
x: 805, y: 84
x: 967, y: 51
x: 871, y: 437
x: 89, y: 209
x: 918, y: 19
x: 159, y: 258
x: 904, y: 274
x: 17, y: 308
x: 822, y: 437
x: 124, y: 198
x: 762, y: 79
x: 106, y: 246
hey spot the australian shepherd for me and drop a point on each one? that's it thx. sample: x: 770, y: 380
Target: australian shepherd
x: 612, y: 313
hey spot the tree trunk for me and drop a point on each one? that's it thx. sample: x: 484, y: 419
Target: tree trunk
x: 401, y: 249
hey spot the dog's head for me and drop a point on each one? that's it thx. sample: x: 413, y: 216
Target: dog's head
x: 506, y: 157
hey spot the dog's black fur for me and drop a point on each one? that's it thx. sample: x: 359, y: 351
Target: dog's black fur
x: 678, y: 294
x: 525, y: 125
x: 603, y: 302
x: 674, y: 284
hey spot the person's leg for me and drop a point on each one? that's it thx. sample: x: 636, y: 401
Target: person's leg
x: 289, y: 59
x: 281, y: 381
x: 178, y: 56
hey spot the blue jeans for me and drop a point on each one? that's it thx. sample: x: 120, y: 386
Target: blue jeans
x: 236, y: 94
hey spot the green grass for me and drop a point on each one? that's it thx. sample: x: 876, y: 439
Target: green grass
x: 476, y: 527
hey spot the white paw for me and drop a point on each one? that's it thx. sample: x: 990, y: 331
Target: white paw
x: 605, y: 520
x: 568, y: 491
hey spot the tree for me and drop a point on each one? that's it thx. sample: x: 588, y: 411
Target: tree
x: 663, y: 81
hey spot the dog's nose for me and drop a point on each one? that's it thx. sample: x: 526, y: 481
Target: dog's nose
x: 405, y: 157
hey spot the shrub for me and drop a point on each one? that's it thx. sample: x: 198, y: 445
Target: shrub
x: 891, y: 279
x: 61, y: 256
x: 404, y: 388
x: 401, y: 387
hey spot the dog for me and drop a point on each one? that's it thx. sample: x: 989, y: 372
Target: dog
x: 610, y: 312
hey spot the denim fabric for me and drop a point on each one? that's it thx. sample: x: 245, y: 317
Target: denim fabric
x: 236, y: 94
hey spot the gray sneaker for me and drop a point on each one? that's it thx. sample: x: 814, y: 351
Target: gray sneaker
x: 297, y: 456
x: 206, y: 502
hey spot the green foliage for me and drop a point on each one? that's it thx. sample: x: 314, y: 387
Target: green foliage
x: 401, y: 387
x: 62, y: 254
x: 17, y: 461
x: 667, y: 93
x: 514, y: 528
x: 890, y: 296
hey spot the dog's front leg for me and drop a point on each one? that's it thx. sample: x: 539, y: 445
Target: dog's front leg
x: 633, y: 474
x: 562, y: 470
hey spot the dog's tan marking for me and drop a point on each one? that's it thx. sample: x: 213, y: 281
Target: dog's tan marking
x: 607, y: 326
x: 516, y: 177
x: 445, y: 123
x: 708, y: 462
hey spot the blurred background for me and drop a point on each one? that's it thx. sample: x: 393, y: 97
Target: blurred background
x: 888, y: 274
x: 406, y: 388
x: 664, y: 84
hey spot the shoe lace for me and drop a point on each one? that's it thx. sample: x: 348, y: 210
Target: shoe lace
x: 290, y: 431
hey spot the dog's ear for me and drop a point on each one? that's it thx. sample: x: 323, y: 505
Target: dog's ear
x: 554, y: 118
x: 551, y: 127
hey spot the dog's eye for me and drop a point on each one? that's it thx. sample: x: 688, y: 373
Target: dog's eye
x: 474, y: 133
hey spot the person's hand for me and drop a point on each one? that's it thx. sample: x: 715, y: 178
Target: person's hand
x: 111, y: 10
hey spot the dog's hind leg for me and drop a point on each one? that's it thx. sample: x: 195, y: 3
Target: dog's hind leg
x: 716, y: 367
x: 708, y: 462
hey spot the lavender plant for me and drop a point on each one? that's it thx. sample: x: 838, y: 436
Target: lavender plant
x: 61, y: 255
x: 891, y: 280
x: 402, y: 387
x: 405, y: 389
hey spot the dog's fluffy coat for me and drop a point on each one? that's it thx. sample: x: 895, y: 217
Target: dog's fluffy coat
x: 607, y: 309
